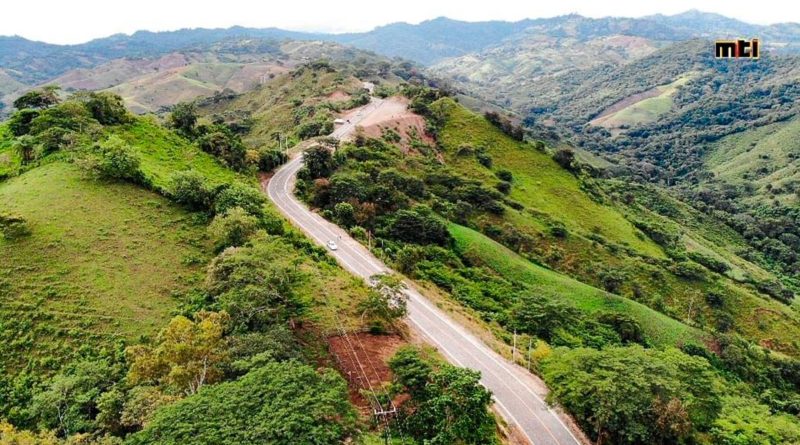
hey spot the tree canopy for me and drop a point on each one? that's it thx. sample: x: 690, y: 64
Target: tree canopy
x: 280, y: 403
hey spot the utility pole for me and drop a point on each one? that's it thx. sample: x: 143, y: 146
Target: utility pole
x: 530, y: 343
x: 514, y: 348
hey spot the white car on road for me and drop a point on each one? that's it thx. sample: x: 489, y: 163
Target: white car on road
x: 332, y: 245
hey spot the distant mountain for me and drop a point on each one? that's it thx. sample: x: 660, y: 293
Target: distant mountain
x: 432, y: 40
x: 496, y: 59
x: 428, y: 42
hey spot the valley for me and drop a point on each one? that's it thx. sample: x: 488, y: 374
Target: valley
x: 564, y: 230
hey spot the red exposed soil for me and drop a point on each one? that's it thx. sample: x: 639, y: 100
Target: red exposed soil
x: 362, y: 359
x: 338, y: 95
x: 393, y: 114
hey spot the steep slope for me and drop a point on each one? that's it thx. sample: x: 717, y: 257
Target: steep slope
x: 506, y: 72
x: 94, y: 270
x: 553, y: 197
x: 766, y: 160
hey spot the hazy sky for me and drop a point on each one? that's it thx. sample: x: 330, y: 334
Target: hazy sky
x: 75, y: 21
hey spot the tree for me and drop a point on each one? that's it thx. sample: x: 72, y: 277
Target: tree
x: 256, y: 284
x: 105, y: 107
x: 279, y: 403
x: 69, y: 402
x: 25, y: 146
x: 419, y: 226
x: 184, y: 118
x: 345, y: 214
x: 9, y: 435
x: 632, y: 395
x: 191, y: 189
x: 20, y: 122
x: 115, y: 159
x: 318, y: 161
x: 565, y: 157
x: 37, y: 99
x: 447, y: 405
x: 744, y: 421
x: 226, y: 146
x: 187, y: 356
x: 543, y: 317
x: 240, y: 195
x: 233, y: 228
x: 269, y: 159
x: 386, y: 301
x: 141, y: 404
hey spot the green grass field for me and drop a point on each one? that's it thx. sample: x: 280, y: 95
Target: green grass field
x: 539, y: 183
x: 646, y: 110
x: 762, y: 156
x: 660, y: 329
x: 104, y: 261
x: 162, y: 153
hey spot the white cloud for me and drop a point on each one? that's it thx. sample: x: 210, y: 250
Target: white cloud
x: 77, y: 21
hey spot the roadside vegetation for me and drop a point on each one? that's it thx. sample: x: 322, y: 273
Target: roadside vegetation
x: 505, y: 227
x: 153, y: 296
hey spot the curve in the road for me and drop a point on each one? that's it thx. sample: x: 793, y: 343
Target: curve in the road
x: 512, y: 387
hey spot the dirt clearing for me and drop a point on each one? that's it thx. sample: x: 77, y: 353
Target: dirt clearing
x: 362, y: 359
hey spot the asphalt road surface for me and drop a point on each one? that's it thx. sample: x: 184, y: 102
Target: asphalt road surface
x: 517, y: 394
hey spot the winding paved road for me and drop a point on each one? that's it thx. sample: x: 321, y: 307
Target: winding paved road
x: 517, y: 394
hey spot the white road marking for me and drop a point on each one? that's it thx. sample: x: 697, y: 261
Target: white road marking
x: 497, y: 374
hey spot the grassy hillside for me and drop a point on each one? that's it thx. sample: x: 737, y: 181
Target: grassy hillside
x: 660, y: 329
x: 286, y: 103
x: 605, y: 247
x: 628, y: 113
x: 765, y: 159
x: 104, y: 262
x: 163, y: 152
x: 540, y: 184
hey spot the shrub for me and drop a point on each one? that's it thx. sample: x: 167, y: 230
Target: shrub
x: 233, y: 228
x: 13, y: 226
x: 240, y: 195
x: 107, y: 108
x: 565, y: 157
x: 709, y: 262
x: 505, y: 175
x: 504, y: 124
x: 484, y: 159
x: 419, y: 226
x: 191, y: 189
x: 183, y: 118
x: 115, y: 160
x: 226, y: 146
x: 20, y: 122
x: 503, y: 187
x: 53, y: 139
x: 559, y: 231
x: 688, y: 270
x: 269, y: 159
x: 315, y: 128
